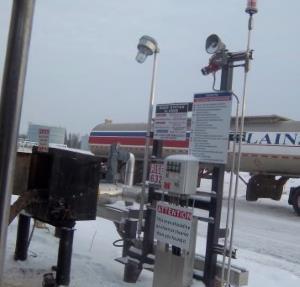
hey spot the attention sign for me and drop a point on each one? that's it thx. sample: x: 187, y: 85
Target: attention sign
x: 173, y: 225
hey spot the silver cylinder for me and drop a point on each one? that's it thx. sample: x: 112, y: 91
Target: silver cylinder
x: 11, y: 105
x: 129, y: 171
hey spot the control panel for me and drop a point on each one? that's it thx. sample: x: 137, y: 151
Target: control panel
x: 180, y: 174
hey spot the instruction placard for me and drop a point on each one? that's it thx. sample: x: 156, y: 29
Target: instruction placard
x: 43, y: 140
x: 171, y: 122
x: 173, y: 224
x: 210, y: 127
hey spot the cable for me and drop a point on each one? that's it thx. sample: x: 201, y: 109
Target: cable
x: 33, y: 254
x: 115, y: 243
x: 31, y: 234
x: 214, y: 82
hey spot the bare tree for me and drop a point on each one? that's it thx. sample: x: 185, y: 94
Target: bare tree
x: 73, y: 140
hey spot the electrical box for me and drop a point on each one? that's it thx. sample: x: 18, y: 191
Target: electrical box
x: 66, y: 182
x: 180, y: 174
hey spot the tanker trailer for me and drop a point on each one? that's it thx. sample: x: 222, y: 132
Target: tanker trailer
x: 270, y: 152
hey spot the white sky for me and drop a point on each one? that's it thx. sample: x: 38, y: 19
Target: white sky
x: 82, y: 68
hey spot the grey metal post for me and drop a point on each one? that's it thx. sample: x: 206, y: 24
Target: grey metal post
x: 226, y: 78
x: 131, y: 269
x: 147, y: 145
x: 112, y: 168
x: 22, y: 237
x: 213, y: 233
x: 130, y: 228
x: 10, y: 106
x: 216, y: 203
x: 64, y: 256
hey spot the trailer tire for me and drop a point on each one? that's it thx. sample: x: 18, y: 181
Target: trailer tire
x: 296, y: 201
x: 250, y: 196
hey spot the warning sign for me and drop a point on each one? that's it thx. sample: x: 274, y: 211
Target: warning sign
x: 156, y: 172
x: 173, y: 225
x: 171, y: 122
x: 43, y: 140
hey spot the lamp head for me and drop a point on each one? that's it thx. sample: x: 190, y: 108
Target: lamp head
x: 214, y: 44
x: 146, y: 47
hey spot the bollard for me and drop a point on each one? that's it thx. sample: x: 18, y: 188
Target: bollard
x: 22, y: 237
x: 131, y: 269
x: 64, y: 256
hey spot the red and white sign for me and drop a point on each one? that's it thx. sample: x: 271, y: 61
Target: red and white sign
x: 43, y: 140
x: 156, y: 173
x: 173, y: 225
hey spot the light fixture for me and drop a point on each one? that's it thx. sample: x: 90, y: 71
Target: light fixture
x: 214, y: 44
x: 146, y: 47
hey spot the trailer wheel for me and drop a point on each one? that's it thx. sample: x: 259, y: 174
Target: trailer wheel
x: 251, y: 196
x: 296, y: 201
x: 252, y: 186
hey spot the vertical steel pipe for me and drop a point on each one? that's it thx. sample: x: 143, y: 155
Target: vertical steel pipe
x: 10, y: 106
x: 147, y: 144
x: 64, y: 256
x: 22, y: 237
x: 129, y: 171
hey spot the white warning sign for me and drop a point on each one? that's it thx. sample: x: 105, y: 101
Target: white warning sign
x: 173, y: 225
x: 43, y: 140
x: 156, y: 172
x: 171, y: 122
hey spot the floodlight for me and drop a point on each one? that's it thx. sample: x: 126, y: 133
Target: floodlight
x: 146, y: 47
x: 214, y: 44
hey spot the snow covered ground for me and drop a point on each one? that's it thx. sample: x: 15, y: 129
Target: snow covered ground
x: 266, y: 235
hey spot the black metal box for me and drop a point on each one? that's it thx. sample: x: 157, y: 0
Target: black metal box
x: 66, y: 182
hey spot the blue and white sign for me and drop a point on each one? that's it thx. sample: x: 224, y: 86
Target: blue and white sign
x: 210, y: 127
x: 273, y: 138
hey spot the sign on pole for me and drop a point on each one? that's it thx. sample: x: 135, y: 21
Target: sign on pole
x: 210, y: 127
x: 171, y: 122
x: 156, y: 172
x: 173, y: 224
x: 43, y: 140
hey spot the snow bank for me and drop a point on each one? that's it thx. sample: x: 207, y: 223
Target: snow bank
x: 93, y: 260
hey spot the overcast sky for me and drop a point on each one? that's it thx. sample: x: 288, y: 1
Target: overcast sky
x: 82, y: 68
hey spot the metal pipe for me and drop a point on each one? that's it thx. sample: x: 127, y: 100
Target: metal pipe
x: 22, y: 237
x: 239, y: 151
x: 13, y: 83
x: 230, y: 188
x: 130, y: 270
x: 129, y: 171
x: 213, y: 229
x: 147, y: 145
x: 64, y: 256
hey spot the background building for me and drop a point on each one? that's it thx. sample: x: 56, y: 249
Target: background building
x: 57, y: 134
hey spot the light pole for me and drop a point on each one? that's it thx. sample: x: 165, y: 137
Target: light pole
x: 147, y: 46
